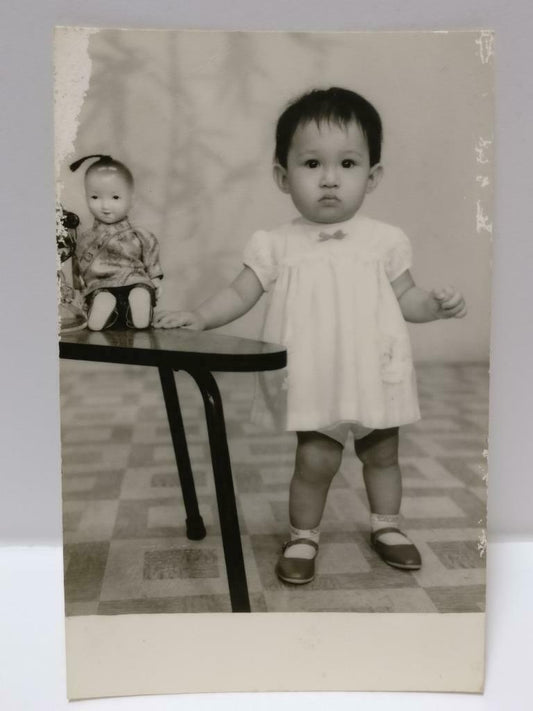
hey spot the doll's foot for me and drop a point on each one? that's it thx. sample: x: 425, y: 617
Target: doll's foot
x: 404, y: 556
x: 101, y: 310
x: 296, y: 570
x: 140, y: 302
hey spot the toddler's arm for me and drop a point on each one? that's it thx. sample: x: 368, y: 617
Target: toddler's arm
x: 419, y: 306
x: 230, y: 303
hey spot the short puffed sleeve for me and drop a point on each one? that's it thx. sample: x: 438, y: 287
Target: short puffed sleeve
x: 259, y: 255
x: 399, y: 256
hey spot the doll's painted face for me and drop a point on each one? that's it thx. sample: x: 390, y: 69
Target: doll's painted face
x: 328, y: 171
x: 109, y: 195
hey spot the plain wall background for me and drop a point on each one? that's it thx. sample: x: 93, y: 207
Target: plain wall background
x: 193, y: 115
x: 29, y: 446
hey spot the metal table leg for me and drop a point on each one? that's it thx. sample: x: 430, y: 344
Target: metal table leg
x: 194, y: 522
x: 227, y: 507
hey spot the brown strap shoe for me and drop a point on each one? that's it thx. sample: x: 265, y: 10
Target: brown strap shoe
x: 404, y: 557
x: 296, y: 570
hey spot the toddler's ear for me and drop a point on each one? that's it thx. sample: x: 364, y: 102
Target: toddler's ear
x: 374, y: 177
x: 280, y: 177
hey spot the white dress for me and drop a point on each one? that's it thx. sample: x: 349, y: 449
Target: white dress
x: 333, y: 307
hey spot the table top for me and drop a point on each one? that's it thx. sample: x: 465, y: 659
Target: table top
x: 176, y: 348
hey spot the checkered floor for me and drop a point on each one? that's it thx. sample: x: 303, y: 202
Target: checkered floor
x: 125, y: 544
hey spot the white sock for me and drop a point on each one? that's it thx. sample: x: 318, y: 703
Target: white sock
x: 378, y: 521
x: 303, y: 550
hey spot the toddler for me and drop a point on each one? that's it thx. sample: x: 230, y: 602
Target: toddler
x: 341, y: 291
x: 118, y: 263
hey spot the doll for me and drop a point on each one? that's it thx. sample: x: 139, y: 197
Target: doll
x: 117, y: 262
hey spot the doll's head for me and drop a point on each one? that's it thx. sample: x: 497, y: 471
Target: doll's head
x: 328, y: 151
x: 108, y: 188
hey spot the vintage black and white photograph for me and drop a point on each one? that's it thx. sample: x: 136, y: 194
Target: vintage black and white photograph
x: 274, y: 285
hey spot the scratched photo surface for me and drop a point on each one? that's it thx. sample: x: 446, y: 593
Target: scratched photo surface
x: 193, y: 116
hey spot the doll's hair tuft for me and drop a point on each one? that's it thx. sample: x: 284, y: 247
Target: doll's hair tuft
x: 105, y: 164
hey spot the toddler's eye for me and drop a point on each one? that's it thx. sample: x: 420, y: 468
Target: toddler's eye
x: 312, y: 163
x: 348, y: 163
x: 116, y: 197
x: 94, y: 197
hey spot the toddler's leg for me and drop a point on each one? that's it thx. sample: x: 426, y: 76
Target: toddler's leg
x: 318, y: 458
x: 378, y: 452
x: 101, y: 308
x: 140, y: 301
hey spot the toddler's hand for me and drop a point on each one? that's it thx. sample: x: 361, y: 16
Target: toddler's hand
x: 158, y: 289
x: 449, y: 303
x: 178, y: 319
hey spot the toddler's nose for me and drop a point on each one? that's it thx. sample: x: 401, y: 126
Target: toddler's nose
x: 329, y: 178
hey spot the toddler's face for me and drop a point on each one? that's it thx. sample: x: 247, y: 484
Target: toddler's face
x: 108, y: 196
x: 328, y: 171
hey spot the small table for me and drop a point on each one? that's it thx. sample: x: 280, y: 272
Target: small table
x: 199, y: 354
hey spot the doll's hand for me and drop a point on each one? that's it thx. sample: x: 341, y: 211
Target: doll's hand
x: 448, y: 303
x: 178, y: 319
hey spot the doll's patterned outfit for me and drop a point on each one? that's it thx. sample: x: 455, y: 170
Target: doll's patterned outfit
x: 333, y: 307
x: 117, y: 255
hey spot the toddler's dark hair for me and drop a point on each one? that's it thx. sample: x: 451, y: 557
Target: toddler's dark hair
x: 105, y: 163
x: 332, y: 105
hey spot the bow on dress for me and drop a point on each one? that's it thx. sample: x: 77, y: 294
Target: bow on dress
x: 339, y: 234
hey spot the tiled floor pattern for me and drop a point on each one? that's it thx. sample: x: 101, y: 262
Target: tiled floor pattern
x: 125, y: 544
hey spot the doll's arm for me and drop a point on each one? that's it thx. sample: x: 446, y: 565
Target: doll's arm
x: 420, y: 306
x: 158, y: 286
x: 224, y: 307
x: 150, y: 254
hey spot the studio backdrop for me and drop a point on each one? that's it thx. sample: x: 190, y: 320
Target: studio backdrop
x: 193, y: 115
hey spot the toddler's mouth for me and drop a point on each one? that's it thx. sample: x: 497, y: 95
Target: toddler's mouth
x: 329, y: 198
